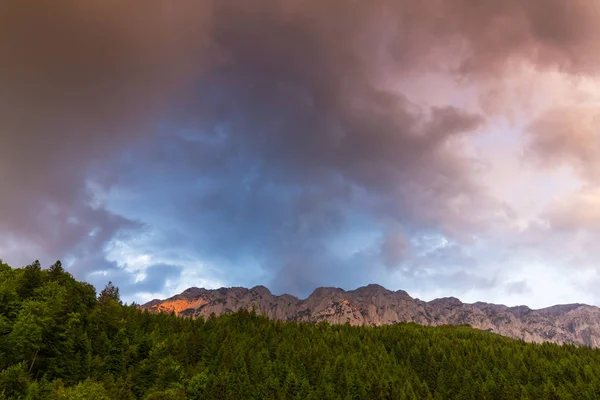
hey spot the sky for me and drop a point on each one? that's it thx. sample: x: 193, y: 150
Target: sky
x: 442, y: 147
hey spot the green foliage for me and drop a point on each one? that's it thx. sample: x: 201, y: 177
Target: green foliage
x: 87, y: 390
x: 109, y: 293
x: 59, y: 341
x: 29, y: 279
x: 196, y: 386
x: 169, y: 394
x: 14, y: 382
x: 56, y: 272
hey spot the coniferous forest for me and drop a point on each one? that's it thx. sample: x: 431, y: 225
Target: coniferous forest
x: 60, y: 340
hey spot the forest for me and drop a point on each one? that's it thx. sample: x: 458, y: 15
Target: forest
x: 59, y: 339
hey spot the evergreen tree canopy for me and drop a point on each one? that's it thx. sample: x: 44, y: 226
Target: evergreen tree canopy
x: 59, y: 341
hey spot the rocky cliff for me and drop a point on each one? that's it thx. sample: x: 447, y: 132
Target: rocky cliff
x: 375, y: 305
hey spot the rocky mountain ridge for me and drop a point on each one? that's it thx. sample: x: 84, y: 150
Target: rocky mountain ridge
x: 374, y: 305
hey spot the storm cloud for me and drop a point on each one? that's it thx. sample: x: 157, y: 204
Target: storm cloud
x: 287, y: 143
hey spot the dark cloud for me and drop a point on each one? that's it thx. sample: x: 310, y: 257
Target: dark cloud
x: 79, y: 82
x: 255, y: 130
x: 554, y: 34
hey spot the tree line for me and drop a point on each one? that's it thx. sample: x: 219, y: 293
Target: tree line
x: 60, y: 340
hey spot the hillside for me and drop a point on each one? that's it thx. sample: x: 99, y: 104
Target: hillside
x: 59, y: 340
x: 374, y: 305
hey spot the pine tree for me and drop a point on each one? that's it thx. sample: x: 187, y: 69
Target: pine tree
x: 109, y: 293
x: 56, y: 271
x: 31, y: 278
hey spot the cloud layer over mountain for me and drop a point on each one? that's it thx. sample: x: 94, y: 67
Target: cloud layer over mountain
x: 442, y: 147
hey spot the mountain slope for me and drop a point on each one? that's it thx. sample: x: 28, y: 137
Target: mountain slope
x: 375, y: 305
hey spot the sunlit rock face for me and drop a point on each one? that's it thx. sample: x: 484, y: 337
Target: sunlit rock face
x: 374, y: 305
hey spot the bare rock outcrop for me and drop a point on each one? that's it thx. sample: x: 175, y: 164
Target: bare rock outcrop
x: 373, y: 305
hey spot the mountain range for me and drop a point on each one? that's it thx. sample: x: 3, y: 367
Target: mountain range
x: 373, y: 305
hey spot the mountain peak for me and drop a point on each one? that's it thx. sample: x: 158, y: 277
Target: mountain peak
x: 326, y: 291
x: 375, y: 305
x: 261, y: 290
x: 447, y: 302
x: 375, y: 287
